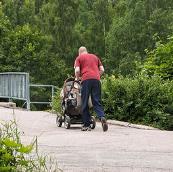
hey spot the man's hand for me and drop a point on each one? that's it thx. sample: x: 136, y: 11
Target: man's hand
x: 77, y: 72
x: 101, y: 69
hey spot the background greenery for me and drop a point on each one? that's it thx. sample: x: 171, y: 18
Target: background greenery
x: 132, y: 37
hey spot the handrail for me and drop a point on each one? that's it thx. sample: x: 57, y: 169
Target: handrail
x: 15, y: 85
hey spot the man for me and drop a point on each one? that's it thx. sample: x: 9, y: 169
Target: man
x: 89, y: 68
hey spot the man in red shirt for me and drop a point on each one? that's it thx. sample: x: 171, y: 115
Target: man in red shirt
x: 89, y: 68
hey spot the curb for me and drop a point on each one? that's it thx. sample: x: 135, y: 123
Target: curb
x: 111, y: 122
x: 127, y: 124
x: 8, y: 104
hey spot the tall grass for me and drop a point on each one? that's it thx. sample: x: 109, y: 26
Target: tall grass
x: 17, y: 157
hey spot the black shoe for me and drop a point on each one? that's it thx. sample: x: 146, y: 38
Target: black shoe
x: 86, y: 128
x: 104, y: 124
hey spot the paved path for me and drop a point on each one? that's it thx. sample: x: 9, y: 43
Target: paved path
x: 121, y: 149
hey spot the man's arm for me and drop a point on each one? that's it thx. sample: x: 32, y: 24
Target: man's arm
x: 100, y: 66
x: 101, y: 69
x: 77, y: 68
x: 77, y: 72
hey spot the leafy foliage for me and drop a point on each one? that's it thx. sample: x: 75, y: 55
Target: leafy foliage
x: 48, y: 33
x: 139, y: 100
x: 57, y: 102
x: 136, y: 26
x: 15, y: 156
x: 160, y: 61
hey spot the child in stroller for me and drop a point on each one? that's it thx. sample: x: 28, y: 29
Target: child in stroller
x: 71, y: 105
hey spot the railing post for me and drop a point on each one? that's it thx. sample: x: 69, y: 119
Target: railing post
x: 27, y: 92
x: 52, y: 94
x: 9, y: 88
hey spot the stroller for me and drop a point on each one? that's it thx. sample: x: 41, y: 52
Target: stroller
x: 71, y: 105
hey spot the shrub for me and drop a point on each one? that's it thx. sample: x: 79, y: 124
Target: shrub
x: 56, y: 105
x: 14, y: 156
x: 139, y: 100
x: 159, y: 60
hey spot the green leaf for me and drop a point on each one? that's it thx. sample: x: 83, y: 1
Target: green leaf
x: 10, y: 143
x: 25, y: 149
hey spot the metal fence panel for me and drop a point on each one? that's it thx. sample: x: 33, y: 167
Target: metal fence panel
x: 15, y: 85
x: 4, y: 86
x: 18, y: 83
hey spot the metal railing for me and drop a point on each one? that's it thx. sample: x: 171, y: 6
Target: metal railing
x: 15, y: 85
x: 52, y: 93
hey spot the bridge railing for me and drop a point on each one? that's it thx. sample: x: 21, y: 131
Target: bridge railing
x: 52, y: 87
x: 16, y: 85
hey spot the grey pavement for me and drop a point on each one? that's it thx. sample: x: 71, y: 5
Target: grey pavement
x: 121, y: 149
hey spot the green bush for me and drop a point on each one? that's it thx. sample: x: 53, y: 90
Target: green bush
x: 17, y: 157
x: 56, y: 105
x: 159, y: 60
x: 140, y: 100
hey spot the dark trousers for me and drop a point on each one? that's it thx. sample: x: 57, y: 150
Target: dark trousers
x: 91, y: 87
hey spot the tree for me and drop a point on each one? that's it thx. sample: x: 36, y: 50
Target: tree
x: 93, y: 24
x: 19, y: 12
x: 28, y: 50
x: 58, y: 18
x: 5, y: 28
x: 135, y: 26
x: 160, y: 61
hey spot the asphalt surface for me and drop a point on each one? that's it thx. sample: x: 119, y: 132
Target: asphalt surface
x: 121, y: 149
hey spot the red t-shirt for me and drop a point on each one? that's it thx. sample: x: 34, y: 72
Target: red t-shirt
x: 89, y: 66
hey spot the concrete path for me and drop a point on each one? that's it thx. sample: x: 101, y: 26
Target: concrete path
x: 121, y: 149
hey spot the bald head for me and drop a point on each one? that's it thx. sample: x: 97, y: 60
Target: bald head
x: 82, y: 50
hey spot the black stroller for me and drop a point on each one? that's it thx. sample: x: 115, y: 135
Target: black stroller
x: 71, y: 105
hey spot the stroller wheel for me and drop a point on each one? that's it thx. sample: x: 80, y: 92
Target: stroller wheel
x: 67, y: 122
x: 59, y: 121
x: 93, y: 122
